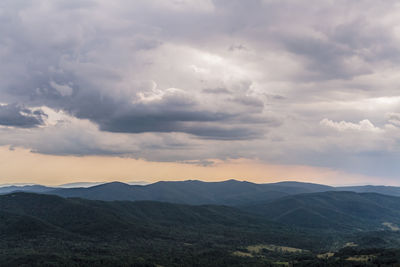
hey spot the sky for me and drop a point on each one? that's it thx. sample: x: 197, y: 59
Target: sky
x: 148, y: 90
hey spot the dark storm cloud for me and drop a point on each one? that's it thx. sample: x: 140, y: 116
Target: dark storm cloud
x: 137, y: 77
x: 344, y: 51
x: 19, y: 116
x: 79, y: 74
x: 172, y: 113
x: 324, y: 59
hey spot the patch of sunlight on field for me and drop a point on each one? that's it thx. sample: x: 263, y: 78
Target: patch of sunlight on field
x: 259, y: 248
x: 281, y: 263
x: 325, y: 255
x: 391, y: 226
x: 350, y: 244
x: 361, y: 258
x: 242, y: 254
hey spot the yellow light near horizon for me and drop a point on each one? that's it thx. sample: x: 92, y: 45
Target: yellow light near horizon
x: 23, y: 166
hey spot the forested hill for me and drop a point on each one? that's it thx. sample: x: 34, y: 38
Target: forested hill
x: 230, y: 192
x: 48, y: 230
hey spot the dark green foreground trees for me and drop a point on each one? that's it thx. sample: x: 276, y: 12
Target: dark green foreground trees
x: 45, y: 230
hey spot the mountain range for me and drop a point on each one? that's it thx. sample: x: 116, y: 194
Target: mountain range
x: 194, y: 223
x: 194, y: 192
x: 303, y: 205
x: 48, y: 230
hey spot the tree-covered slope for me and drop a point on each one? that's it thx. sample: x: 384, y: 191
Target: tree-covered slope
x: 47, y: 230
x: 333, y: 210
x: 41, y: 230
x: 192, y: 192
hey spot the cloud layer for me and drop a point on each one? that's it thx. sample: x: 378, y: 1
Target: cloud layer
x: 288, y: 82
x: 18, y: 116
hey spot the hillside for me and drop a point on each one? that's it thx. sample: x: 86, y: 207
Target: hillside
x: 385, y: 190
x: 50, y: 229
x: 192, y: 192
x: 47, y: 230
x: 82, y: 216
x: 333, y: 210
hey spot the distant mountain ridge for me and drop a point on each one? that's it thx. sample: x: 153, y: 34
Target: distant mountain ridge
x: 90, y: 184
x: 195, y: 192
x: 25, y: 188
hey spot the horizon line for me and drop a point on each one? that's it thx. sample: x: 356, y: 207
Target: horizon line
x: 144, y: 182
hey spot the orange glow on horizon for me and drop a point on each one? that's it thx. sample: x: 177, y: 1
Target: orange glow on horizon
x: 23, y: 166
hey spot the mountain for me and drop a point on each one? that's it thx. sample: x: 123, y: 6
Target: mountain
x: 333, y: 210
x: 25, y: 188
x: 90, y: 184
x: 110, y: 219
x: 193, y: 192
x: 47, y: 230
x: 80, y: 215
x: 296, y: 187
x: 385, y: 190
x: 230, y: 192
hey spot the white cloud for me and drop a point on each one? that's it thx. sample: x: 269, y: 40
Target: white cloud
x: 364, y: 125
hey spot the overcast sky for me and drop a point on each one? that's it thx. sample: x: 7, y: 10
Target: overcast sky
x: 202, y: 83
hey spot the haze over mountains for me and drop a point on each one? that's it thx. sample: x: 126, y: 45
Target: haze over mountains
x: 90, y: 184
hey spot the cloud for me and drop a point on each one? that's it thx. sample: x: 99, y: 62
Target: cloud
x: 364, y: 125
x: 290, y: 82
x: 63, y: 89
x: 216, y: 91
x: 393, y: 118
x: 19, y: 116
